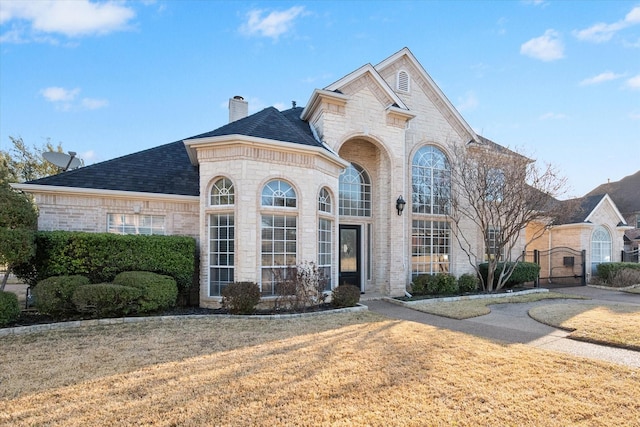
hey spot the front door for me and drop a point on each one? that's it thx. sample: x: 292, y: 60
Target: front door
x: 350, y: 256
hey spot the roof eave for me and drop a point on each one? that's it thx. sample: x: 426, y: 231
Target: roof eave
x: 40, y: 188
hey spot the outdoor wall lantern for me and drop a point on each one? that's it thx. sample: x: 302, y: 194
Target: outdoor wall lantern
x: 400, y: 205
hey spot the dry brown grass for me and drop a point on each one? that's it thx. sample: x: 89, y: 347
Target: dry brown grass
x: 466, y: 309
x: 633, y: 290
x: 337, y: 370
x: 611, y: 324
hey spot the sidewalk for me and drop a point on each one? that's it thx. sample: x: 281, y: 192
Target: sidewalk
x: 511, y: 323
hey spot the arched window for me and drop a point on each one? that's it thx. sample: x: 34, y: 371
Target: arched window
x: 355, y: 192
x: 221, y: 236
x: 600, y: 248
x: 278, y: 193
x: 222, y: 192
x: 430, y: 182
x: 279, y: 235
x: 325, y: 237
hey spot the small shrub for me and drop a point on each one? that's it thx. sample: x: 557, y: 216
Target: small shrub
x: 298, y: 287
x: 624, y: 277
x: 467, y: 283
x: 345, y: 296
x: 106, y: 299
x: 422, y: 283
x: 241, y: 297
x: 9, y: 308
x: 606, y: 270
x: 159, y: 292
x: 444, y: 284
x: 53, y: 295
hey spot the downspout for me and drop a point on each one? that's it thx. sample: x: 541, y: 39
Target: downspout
x: 549, y: 250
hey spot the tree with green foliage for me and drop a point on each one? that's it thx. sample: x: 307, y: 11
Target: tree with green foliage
x: 26, y: 164
x: 18, y: 224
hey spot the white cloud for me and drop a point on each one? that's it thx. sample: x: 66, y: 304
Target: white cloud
x: 553, y: 116
x: 634, y: 82
x: 70, y: 18
x: 600, y: 78
x: 93, y: 104
x: 547, y: 47
x: 271, y: 25
x: 602, y: 32
x: 634, y: 115
x: 468, y: 102
x: 59, y: 94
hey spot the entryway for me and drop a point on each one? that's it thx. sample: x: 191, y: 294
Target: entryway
x: 350, y: 261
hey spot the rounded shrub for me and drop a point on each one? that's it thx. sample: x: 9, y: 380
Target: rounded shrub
x: 53, y: 295
x: 443, y: 284
x: 106, y: 299
x: 9, y: 308
x: 422, y: 283
x: 159, y: 292
x: 467, y: 283
x: 345, y: 296
x: 241, y: 297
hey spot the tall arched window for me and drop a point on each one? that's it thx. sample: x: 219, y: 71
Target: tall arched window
x: 355, y: 192
x: 221, y: 236
x: 430, y: 182
x: 600, y: 248
x: 325, y: 237
x: 278, y: 234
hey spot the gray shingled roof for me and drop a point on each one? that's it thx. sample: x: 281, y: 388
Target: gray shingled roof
x: 574, y: 211
x: 166, y: 169
x: 625, y: 193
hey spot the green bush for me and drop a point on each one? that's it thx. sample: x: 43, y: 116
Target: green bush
x: 106, y: 299
x: 524, y: 272
x: 607, y: 270
x: 159, y: 292
x: 345, y: 296
x: 53, y: 295
x: 444, y: 284
x: 9, y: 308
x: 467, y: 283
x: 422, y: 283
x: 241, y: 297
x: 101, y: 256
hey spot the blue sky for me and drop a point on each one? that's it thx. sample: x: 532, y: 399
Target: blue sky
x: 556, y: 80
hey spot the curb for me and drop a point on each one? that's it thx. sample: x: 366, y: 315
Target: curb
x: 466, y: 297
x: 20, y: 330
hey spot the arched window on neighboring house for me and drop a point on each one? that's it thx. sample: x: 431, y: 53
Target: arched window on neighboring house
x: 221, y: 235
x: 278, y: 232
x: 600, y: 248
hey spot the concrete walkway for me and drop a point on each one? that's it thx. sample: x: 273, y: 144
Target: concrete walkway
x: 511, y: 323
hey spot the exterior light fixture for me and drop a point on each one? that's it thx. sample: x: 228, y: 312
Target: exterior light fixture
x: 400, y: 205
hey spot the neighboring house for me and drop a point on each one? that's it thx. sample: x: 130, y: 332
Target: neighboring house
x: 592, y: 224
x: 325, y: 184
x: 626, y: 194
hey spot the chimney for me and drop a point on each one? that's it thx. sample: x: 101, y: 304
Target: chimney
x: 238, y: 108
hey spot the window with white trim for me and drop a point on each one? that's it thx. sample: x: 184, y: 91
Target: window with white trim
x: 430, y: 182
x: 355, y: 192
x: 600, y: 248
x: 493, y: 238
x: 278, y: 233
x: 221, y: 252
x: 222, y: 192
x: 135, y: 224
x: 430, y: 247
x: 325, y: 237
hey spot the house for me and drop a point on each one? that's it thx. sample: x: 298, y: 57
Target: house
x: 327, y: 183
x: 585, y: 231
x: 626, y: 194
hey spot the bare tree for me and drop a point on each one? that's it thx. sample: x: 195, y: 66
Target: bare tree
x: 501, y: 192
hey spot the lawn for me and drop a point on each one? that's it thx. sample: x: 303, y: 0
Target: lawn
x: 347, y: 369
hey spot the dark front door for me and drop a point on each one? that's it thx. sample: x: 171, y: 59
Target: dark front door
x: 350, y: 256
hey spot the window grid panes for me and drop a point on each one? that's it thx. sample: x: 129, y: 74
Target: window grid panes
x: 355, y: 192
x: 222, y: 192
x: 279, y: 241
x: 278, y: 194
x: 324, y: 201
x: 325, y: 245
x: 430, y: 247
x: 430, y: 182
x: 221, y: 252
x: 493, y: 235
x: 600, y: 248
x: 135, y: 224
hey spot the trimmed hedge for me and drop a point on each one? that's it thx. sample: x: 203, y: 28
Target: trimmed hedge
x: 241, y: 297
x: 106, y: 299
x: 345, y: 296
x: 9, y: 308
x: 53, y: 295
x: 158, y: 292
x: 524, y: 272
x: 467, y: 283
x: 101, y: 256
x: 607, y: 270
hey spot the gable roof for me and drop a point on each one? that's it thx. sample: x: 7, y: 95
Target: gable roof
x: 164, y: 170
x: 625, y: 193
x: 578, y: 210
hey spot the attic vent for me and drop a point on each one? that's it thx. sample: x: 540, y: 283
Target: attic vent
x: 403, y: 81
